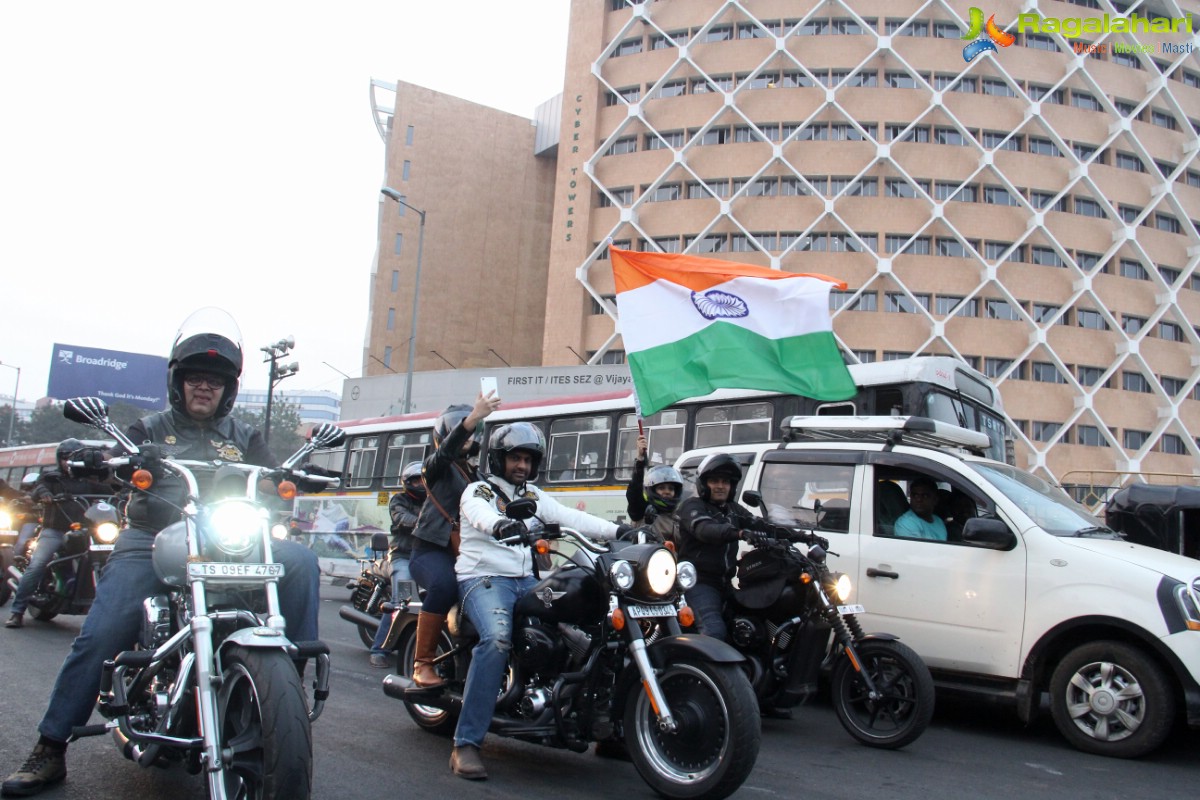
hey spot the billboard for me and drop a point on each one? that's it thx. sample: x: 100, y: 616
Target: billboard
x: 114, y: 376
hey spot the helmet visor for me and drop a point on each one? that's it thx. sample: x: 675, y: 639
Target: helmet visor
x: 210, y: 320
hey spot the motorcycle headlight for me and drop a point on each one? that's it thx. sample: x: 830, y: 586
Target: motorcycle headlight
x: 686, y: 574
x: 235, y: 528
x: 106, y: 532
x: 622, y: 575
x: 840, y: 586
x: 5, y: 521
x: 279, y: 531
x: 660, y: 572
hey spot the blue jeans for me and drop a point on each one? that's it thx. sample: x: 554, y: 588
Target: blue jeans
x: 48, y: 544
x: 489, y: 605
x: 400, y: 574
x: 707, y: 603
x: 433, y: 568
x: 114, y: 622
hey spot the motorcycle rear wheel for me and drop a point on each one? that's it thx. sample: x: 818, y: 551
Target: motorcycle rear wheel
x: 716, y: 743
x: 366, y: 635
x: 263, y: 719
x: 906, y: 708
x: 435, y: 720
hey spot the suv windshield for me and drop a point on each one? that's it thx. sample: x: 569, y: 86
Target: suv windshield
x: 1049, y: 506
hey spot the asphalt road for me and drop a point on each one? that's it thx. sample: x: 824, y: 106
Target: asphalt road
x: 366, y: 747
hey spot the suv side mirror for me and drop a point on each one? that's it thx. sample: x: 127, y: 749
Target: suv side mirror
x: 989, y: 533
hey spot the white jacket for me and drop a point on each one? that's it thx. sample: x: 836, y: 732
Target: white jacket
x: 481, y: 508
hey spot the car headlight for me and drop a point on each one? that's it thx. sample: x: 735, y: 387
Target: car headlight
x: 5, y: 521
x: 106, y: 532
x: 840, y: 586
x: 686, y: 574
x: 622, y: 575
x: 236, y: 527
x: 660, y: 571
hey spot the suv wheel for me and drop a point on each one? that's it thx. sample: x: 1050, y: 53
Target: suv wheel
x: 1110, y: 699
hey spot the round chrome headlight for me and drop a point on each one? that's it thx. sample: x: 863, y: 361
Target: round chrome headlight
x: 5, y: 521
x: 622, y: 575
x: 841, y: 586
x: 660, y: 571
x: 106, y: 532
x: 236, y: 527
x: 686, y: 572
x: 279, y: 531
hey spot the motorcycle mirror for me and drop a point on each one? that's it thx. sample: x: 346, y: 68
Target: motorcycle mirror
x: 521, y: 509
x: 86, y: 410
x: 327, y: 435
x: 752, y: 498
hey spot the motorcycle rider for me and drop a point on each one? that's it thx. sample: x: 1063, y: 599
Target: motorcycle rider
x: 710, y: 526
x: 403, y: 508
x: 202, y: 384
x: 447, y: 471
x: 56, y: 490
x: 657, y: 489
x: 493, y: 576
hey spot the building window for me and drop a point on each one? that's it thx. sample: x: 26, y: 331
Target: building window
x: 951, y: 248
x: 896, y: 355
x: 1038, y: 42
x: 900, y: 80
x: 999, y: 196
x: 999, y: 140
x: 718, y: 33
x: 664, y: 140
x: 997, y: 88
x: 665, y: 192
x: 1045, y: 431
x: 1083, y: 151
x: 1043, y: 147
x: 1131, y: 323
x: 946, y: 30
x: 1126, y: 60
x: 950, y: 136
x: 1000, y: 309
x: 1085, y: 207
x: 1090, y: 376
x: 1044, y: 312
x: 712, y: 243
x: 918, y: 246
x: 1045, y: 256
x: 628, y: 47
x: 1169, y: 274
x: 408, y: 135
x: 1093, y: 320
x: 1135, y: 440
x: 1128, y: 161
x: 1085, y: 100
x: 626, y: 144
x: 1168, y: 223
x: 900, y: 303
x: 761, y: 187
x: 1087, y: 261
x: 1047, y: 372
x: 395, y: 280
x: 1163, y: 120
x: 398, y: 247
x: 1089, y: 436
x: 1133, y: 269
x: 946, y: 305
x: 1044, y: 95
x: 1172, y: 386
x: 1172, y: 445
x: 387, y: 357
x: 391, y: 319
x: 1170, y: 332
x: 611, y: 357
x: 1135, y: 382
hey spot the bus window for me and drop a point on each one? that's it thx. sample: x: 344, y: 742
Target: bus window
x: 888, y: 401
x: 740, y: 424
x: 664, y: 440
x: 579, y: 448
x: 362, y: 461
x: 404, y: 448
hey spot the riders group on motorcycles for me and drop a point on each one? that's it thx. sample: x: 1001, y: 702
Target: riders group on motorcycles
x: 56, y: 491
x: 652, y: 495
x: 404, y: 507
x: 202, y: 384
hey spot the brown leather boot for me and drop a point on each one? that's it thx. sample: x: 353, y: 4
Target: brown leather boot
x: 429, y: 629
x: 466, y: 763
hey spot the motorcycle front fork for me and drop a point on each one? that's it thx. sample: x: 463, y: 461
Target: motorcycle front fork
x: 845, y: 633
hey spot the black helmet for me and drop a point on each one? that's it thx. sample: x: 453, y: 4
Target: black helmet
x: 414, y: 484
x: 717, y: 464
x: 207, y: 341
x: 449, y: 420
x: 663, y: 473
x: 66, y: 447
x: 516, y: 436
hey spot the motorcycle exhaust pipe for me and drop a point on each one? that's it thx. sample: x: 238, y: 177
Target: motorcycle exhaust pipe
x: 398, y: 686
x: 352, y: 614
x: 13, y: 571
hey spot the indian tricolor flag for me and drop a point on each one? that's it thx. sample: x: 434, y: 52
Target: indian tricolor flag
x: 692, y: 325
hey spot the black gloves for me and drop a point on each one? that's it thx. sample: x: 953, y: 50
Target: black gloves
x: 754, y: 537
x: 812, y: 540
x: 91, y: 458
x: 623, y: 529
x: 510, y: 527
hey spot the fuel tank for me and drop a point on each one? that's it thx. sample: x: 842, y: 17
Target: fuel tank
x: 570, y: 594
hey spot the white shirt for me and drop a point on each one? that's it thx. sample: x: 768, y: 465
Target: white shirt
x: 479, y: 511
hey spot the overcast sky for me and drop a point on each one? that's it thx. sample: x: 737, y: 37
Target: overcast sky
x: 158, y: 157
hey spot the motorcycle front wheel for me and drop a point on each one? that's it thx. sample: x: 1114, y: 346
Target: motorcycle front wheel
x: 264, y: 727
x: 715, y: 743
x: 903, y: 712
x: 435, y: 720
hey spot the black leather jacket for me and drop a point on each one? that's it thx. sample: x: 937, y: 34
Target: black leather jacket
x: 403, y: 510
x: 708, y: 537
x: 59, y: 514
x: 446, y: 475
x: 181, y: 437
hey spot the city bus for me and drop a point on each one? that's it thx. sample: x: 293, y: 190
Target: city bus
x: 591, y: 440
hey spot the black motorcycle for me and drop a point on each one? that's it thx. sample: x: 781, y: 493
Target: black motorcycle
x: 68, y: 584
x: 785, y: 619
x: 598, y: 656
x: 370, y: 591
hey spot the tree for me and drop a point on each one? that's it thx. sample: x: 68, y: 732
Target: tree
x: 47, y: 424
x: 285, y: 427
x: 18, y: 427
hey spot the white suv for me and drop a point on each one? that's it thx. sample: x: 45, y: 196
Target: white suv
x: 1027, y: 592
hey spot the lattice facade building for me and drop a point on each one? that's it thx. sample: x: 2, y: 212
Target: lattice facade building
x: 1033, y: 211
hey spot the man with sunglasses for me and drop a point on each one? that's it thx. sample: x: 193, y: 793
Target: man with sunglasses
x: 202, y: 384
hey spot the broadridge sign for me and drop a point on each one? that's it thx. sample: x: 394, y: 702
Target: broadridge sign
x: 112, y: 375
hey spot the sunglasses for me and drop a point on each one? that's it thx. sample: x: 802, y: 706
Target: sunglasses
x: 196, y: 380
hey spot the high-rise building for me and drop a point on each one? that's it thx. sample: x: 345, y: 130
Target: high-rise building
x: 1032, y: 209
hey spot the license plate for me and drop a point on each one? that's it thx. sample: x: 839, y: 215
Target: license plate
x: 642, y: 612
x: 221, y: 571
x: 96, y: 547
x: 854, y: 609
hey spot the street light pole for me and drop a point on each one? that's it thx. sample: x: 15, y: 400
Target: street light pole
x: 12, y: 417
x: 275, y: 374
x: 387, y: 191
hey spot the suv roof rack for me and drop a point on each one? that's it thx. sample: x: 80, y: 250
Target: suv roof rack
x: 919, y: 431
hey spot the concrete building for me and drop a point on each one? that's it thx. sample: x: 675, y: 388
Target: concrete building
x: 1033, y: 211
x: 313, y: 405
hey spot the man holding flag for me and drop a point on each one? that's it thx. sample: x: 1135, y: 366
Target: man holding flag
x: 692, y: 325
